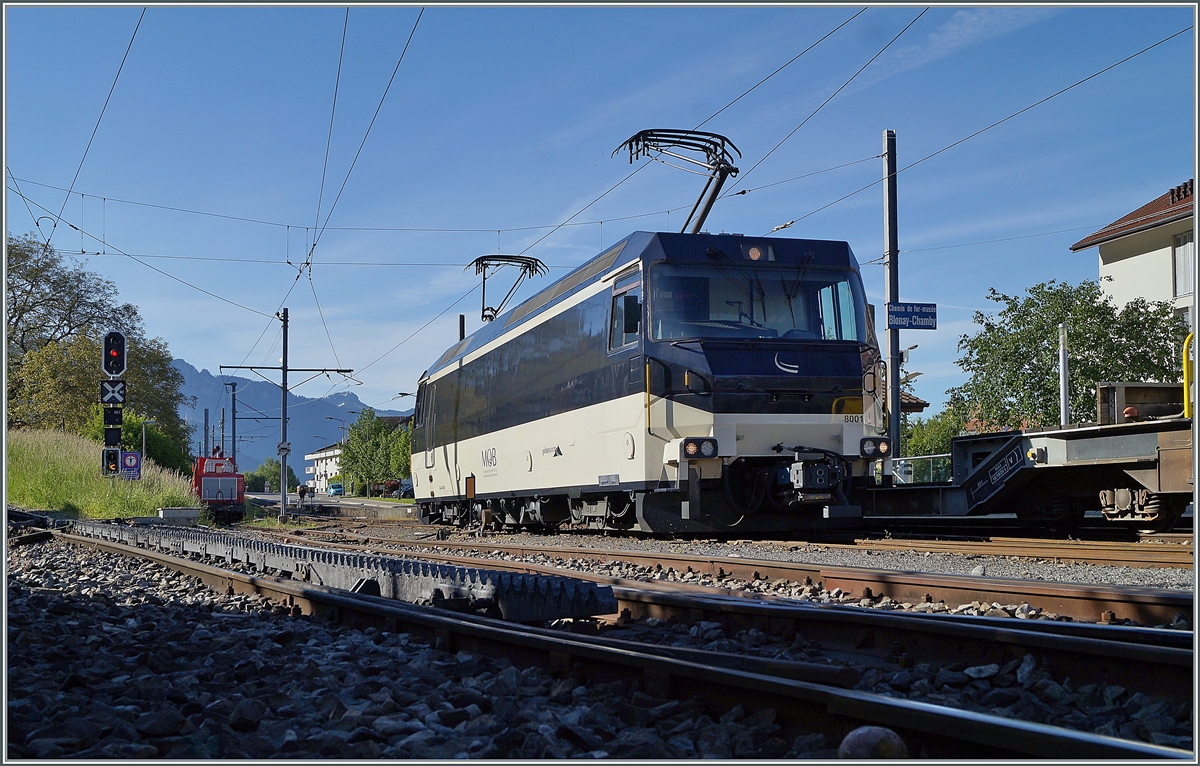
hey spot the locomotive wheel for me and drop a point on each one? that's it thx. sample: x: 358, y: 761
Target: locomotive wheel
x: 1168, y: 508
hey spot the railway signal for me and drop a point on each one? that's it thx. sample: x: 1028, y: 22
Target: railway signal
x: 111, y: 464
x: 113, y: 362
x: 112, y: 400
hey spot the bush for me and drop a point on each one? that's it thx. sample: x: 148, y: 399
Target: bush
x: 58, y: 471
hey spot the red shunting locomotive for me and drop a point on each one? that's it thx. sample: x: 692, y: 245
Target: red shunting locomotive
x: 220, y: 487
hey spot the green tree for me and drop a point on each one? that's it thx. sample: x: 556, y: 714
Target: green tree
x: 932, y: 435
x: 372, y: 451
x: 159, y: 447
x: 55, y: 314
x: 61, y: 385
x: 401, y: 467
x: 50, y: 299
x: 1013, y: 359
x: 268, y: 472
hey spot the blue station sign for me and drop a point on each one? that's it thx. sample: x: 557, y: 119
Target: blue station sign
x: 912, y: 316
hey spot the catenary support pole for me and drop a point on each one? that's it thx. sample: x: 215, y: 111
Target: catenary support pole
x: 1064, y: 399
x: 283, y: 488
x: 891, y: 270
x: 233, y: 421
x: 206, y: 452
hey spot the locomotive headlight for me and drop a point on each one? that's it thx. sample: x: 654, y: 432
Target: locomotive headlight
x: 698, y: 449
x: 870, y: 447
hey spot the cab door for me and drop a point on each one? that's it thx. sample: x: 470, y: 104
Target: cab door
x: 429, y: 422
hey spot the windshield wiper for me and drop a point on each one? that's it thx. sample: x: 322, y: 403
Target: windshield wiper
x: 679, y: 344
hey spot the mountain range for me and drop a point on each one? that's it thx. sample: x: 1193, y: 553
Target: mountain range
x: 312, y: 423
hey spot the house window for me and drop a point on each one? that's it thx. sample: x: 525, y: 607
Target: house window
x: 1185, y: 259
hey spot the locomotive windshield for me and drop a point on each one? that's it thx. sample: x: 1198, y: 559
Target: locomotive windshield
x: 739, y: 299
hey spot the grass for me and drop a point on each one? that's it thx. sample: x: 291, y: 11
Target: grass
x: 58, y: 471
x: 268, y: 518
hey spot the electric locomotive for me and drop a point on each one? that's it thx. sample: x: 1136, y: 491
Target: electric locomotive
x: 678, y: 382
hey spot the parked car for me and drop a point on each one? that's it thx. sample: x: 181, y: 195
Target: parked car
x: 404, y: 490
x: 334, y: 489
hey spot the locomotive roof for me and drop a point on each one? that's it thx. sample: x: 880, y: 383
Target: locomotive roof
x: 649, y: 247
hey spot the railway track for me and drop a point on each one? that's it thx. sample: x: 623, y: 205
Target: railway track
x: 816, y: 702
x: 1144, y: 554
x: 1087, y: 653
x: 1174, y: 550
x: 1091, y: 603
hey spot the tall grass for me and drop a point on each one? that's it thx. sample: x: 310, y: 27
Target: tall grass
x: 57, y: 471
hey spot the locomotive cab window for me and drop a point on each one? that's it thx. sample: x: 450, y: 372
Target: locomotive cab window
x: 744, y: 299
x: 625, y: 316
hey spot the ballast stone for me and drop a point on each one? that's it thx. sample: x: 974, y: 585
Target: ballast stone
x: 517, y: 597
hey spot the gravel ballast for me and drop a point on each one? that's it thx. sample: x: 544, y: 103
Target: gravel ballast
x: 111, y: 657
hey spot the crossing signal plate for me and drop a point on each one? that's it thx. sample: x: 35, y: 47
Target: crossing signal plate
x: 112, y: 392
x: 114, y: 353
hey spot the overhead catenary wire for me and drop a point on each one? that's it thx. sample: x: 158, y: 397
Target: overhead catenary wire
x: 332, y: 113
x: 321, y: 314
x: 426, y: 229
x: 321, y: 193
x: 553, y: 227
x: 983, y: 130
x: 17, y: 189
x: 153, y: 268
x: 415, y: 229
x: 797, y: 178
x: 317, y: 234
x: 614, y: 186
x: 780, y: 69
x: 988, y: 241
x: 103, y: 109
x: 842, y: 87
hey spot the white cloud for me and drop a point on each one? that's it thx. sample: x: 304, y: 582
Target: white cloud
x: 963, y: 29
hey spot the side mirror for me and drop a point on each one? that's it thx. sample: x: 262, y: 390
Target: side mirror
x: 632, y: 310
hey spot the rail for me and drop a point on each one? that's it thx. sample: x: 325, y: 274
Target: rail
x: 1083, y: 651
x: 941, y: 732
x: 1147, y: 606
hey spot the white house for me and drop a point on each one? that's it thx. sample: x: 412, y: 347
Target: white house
x: 1150, y: 253
x: 324, y: 466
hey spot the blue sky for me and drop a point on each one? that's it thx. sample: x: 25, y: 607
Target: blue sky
x: 500, y: 119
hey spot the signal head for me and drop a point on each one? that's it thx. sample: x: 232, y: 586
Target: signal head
x: 113, y: 362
